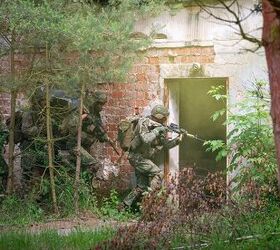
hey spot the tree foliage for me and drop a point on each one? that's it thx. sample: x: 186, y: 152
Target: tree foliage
x: 73, y: 45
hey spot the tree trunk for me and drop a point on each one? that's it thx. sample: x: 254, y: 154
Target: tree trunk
x: 50, y: 148
x: 10, y: 180
x: 271, y: 40
x: 79, y: 141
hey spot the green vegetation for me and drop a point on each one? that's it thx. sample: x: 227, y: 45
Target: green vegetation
x: 53, y: 240
x: 22, y: 213
x: 18, y: 212
x: 250, y: 142
x: 258, y: 229
x: 109, y: 208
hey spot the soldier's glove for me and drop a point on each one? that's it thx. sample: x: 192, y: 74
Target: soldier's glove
x: 159, y: 130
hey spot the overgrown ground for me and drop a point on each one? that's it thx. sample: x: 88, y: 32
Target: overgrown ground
x: 25, y: 225
x: 202, y: 221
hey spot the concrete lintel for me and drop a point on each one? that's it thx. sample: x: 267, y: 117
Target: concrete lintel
x: 180, y: 44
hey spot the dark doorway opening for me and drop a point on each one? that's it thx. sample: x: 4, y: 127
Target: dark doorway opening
x: 193, y: 111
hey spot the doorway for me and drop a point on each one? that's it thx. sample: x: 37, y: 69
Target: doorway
x: 191, y: 107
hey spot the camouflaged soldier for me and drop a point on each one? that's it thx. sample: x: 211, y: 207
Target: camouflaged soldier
x: 92, y: 124
x: 150, y: 139
x: 31, y: 147
x: 92, y: 130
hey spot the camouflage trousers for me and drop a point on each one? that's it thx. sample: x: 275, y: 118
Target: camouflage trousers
x: 148, y: 175
x: 87, y: 160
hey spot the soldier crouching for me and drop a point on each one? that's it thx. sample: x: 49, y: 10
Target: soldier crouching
x: 150, y: 138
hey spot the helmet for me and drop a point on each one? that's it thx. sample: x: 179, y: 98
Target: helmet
x: 159, y: 112
x: 99, y: 97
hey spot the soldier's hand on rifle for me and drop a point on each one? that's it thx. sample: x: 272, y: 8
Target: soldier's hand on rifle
x: 159, y: 130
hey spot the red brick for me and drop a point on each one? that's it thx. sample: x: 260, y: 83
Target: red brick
x: 112, y: 127
x: 153, y: 60
x: 141, y: 77
x: 117, y: 94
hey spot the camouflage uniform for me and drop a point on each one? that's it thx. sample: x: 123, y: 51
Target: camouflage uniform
x: 92, y: 131
x: 151, y: 138
x: 92, y: 125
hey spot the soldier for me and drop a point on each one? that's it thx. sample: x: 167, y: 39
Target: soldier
x: 150, y: 139
x: 92, y: 124
x: 92, y: 131
x: 31, y: 147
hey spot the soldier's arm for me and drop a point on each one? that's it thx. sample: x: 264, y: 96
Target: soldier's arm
x: 149, y: 134
x: 172, y: 143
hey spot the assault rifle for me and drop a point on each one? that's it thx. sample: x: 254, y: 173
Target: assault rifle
x: 113, y: 146
x: 86, y: 111
x: 175, y: 128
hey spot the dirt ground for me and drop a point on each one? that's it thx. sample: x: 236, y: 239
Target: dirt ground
x: 66, y: 226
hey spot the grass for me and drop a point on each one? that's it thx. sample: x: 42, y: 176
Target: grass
x: 53, y: 240
x: 16, y: 212
x: 251, y: 230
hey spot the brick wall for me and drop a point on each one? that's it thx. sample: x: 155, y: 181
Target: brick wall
x: 125, y: 98
x: 142, y: 89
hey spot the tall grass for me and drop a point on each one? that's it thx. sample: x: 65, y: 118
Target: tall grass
x: 53, y: 240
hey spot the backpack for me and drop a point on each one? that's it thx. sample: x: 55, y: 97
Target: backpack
x: 127, y: 132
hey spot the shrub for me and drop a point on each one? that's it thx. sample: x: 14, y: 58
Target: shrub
x: 250, y: 143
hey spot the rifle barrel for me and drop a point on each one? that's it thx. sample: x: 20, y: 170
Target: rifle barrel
x: 183, y: 131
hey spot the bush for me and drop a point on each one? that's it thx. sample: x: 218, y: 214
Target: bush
x: 250, y: 143
x: 109, y: 208
x: 165, y: 209
x: 198, y: 215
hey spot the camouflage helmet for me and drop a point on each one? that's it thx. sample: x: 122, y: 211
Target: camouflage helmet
x: 99, y: 97
x: 159, y: 112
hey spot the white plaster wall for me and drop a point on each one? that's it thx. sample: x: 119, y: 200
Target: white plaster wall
x: 191, y: 27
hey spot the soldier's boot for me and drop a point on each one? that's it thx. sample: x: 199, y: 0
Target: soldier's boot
x: 156, y: 181
x: 133, y: 196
